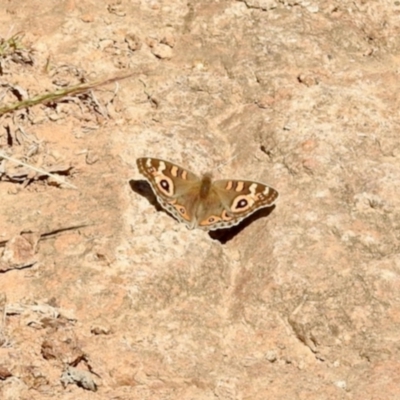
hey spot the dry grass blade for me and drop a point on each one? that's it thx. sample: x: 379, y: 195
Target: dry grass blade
x: 11, y: 45
x: 53, y: 233
x: 42, y: 171
x: 59, y: 94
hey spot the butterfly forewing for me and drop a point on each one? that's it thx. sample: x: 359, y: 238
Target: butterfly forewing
x: 239, y: 196
x: 176, y: 188
x: 156, y: 171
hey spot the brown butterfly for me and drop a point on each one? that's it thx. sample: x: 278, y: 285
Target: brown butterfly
x: 200, y: 202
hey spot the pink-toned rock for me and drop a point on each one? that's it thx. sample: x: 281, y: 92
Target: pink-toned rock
x: 162, y: 51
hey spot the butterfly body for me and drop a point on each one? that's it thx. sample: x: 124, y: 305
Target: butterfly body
x: 201, y: 202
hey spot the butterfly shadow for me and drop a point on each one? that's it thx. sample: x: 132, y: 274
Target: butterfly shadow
x: 144, y: 189
x: 225, y: 235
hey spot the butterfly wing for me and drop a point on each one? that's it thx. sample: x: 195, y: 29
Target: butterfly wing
x: 176, y: 188
x: 200, y: 202
x: 237, y: 200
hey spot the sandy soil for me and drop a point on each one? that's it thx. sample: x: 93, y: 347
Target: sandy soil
x: 104, y: 296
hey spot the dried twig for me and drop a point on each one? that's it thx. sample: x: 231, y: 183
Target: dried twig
x: 40, y: 170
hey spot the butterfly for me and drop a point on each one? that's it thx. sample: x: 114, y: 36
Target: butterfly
x: 201, y: 202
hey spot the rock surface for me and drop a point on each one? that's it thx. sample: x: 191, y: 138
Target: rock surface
x: 300, y: 304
